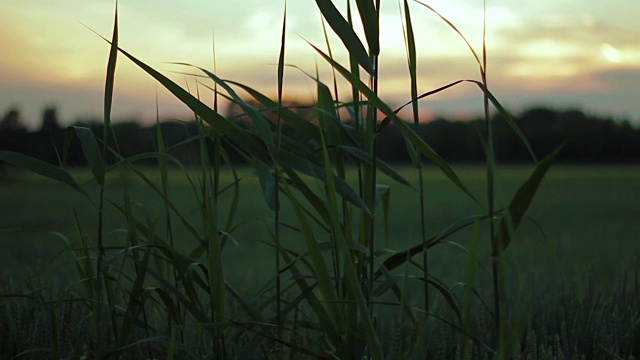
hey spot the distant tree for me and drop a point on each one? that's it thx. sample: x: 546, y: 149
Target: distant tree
x: 50, y: 119
x: 11, y: 120
x: 13, y: 134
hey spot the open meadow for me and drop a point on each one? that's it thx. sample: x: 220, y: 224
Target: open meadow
x: 584, y: 219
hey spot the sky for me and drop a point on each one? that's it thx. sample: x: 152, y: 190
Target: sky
x: 575, y: 54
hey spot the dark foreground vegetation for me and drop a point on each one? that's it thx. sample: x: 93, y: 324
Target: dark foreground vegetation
x: 575, y: 294
x: 586, y: 138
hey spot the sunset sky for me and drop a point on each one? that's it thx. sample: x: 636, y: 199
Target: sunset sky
x: 562, y: 53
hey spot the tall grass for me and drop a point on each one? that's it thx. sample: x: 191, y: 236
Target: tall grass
x: 331, y: 293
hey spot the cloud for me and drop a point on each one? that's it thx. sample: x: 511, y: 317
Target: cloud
x: 559, y: 50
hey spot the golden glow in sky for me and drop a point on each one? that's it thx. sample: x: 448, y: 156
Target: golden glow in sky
x: 568, y: 53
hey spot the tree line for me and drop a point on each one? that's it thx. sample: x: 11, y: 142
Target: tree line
x: 586, y: 138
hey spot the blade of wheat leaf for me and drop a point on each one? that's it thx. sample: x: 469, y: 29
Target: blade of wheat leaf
x: 382, y: 166
x: 345, y: 32
x: 144, y: 156
x: 42, y: 168
x: 306, y: 167
x: 411, y: 47
x: 449, y: 296
x: 135, y: 296
x: 310, y: 196
x: 507, y: 117
x: 111, y: 71
x: 268, y: 184
x: 91, y: 151
x: 522, y: 200
x: 85, y: 269
x: 350, y: 272
x: 401, y: 257
x: 320, y: 269
x: 183, y: 219
x: 230, y: 129
x: 370, y: 16
x: 331, y: 107
x: 387, y: 119
x: 261, y: 123
x: 330, y: 51
x: 424, y: 148
x: 305, y: 127
x: 281, y: 58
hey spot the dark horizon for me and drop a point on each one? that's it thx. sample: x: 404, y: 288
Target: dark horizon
x: 587, y: 138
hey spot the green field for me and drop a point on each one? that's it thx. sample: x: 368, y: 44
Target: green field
x: 584, y: 218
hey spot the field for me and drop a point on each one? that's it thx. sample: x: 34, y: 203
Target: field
x: 584, y: 217
x: 580, y: 241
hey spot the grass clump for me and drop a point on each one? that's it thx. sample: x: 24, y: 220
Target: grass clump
x: 158, y: 283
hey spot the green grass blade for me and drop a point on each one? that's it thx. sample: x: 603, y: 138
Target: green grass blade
x: 370, y: 17
x: 520, y: 203
x: 308, y: 168
x: 320, y: 206
x: 230, y: 129
x: 314, y: 303
x: 411, y: 51
x: 448, y: 296
x: 386, y: 121
x: 111, y: 73
x: 303, y: 126
x: 263, y: 126
x: 276, y: 176
x: 401, y: 257
x: 320, y: 268
x: 382, y: 166
x: 41, y: 168
x: 351, y: 274
x: 345, y: 32
x: 135, y: 297
x: 281, y: 58
x: 408, y: 133
x: 268, y: 184
x: 507, y: 117
x: 91, y: 151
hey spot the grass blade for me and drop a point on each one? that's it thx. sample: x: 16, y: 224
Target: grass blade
x: 370, y: 17
x: 260, y: 122
x: 382, y: 166
x: 269, y: 185
x: 409, y: 134
x: 230, y: 129
x: 91, y: 151
x: 41, y: 168
x: 520, y: 203
x: 345, y: 32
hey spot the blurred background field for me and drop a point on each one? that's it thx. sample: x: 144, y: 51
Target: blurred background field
x: 583, y: 222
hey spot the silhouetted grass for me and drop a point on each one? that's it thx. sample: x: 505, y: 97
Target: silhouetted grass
x: 160, y: 281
